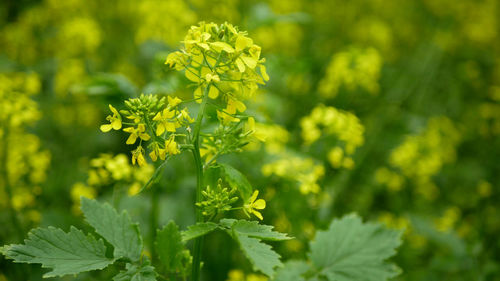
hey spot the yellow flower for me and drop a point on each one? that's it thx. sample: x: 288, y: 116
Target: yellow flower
x: 156, y: 152
x: 135, y: 133
x: 173, y: 102
x: 253, y: 204
x: 115, y: 121
x: 171, y: 146
x: 138, y: 156
x: 163, y: 122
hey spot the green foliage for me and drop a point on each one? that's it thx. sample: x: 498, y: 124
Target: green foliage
x: 237, y: 180
x: 133, y: 272
x: 259, y: 231
x: 116, y: 228
x: 249, y: 236
x: 198, y: 229
x: 292, y: 271
x: 65, y: 253
x: 170, y: 246
x: 352, y: 250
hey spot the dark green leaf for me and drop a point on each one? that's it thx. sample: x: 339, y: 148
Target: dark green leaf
x: 64, y: 253
x: 198, y: 230
x: 133, y: 272
x: 169, y: 247
x: 352, y: 250
x: 237, y: 180
x: 116, y: 228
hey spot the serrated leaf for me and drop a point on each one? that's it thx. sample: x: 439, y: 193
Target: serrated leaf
x: 256, y: 230
x: 134, y: 272
x: 198, y: 230
x: 292, y: 271
x: 169, y: 247
x: 237, y: 180
x: 352, y: 250
x: 261, y: 255
x: 116, y: 228
x: 64, y: 253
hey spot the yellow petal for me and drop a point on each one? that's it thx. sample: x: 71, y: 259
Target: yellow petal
x: 145, y: 137
x: 242, y: 42
x: 116, y: 124
x: 249, y: 61
x: 131, y: 139
x: 221, y: 46
x: 160, y: 129
x: 213, y: 93
x: 254, y: 196
x: 115, y: 112
x: 257, y: 214
x: 191, y: 76
x: 170, y: 127
x: 263, y: 72
x: 240, y: 65
x: 106, y: 128
x: 153, y: 156
x: 259, y: 204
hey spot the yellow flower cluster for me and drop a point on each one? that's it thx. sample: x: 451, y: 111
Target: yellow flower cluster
x: 23, y: 163
x: 153, y: 121
x: 355, y: 68
x: 303, y: 170
x: 421, y: 156
x: 329, y: 121
x: 108, y: 170
x: 448, y: 220
x: 239, y: 275
x: 221, y: 61
x: 273, y: 136
x: 164, y: 21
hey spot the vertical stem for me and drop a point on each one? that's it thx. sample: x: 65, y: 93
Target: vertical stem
x: 6, y: 182
x: 153, y: 224
x: 199, y: 184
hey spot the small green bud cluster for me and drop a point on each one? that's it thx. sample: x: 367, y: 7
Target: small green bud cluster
x: 217, y: 200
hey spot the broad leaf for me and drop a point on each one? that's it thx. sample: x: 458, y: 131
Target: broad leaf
x: 116, y: 228
x: 256, y: 230
x: 352, y: 250
x: 133, y: 272
x: 170, y: 247
x: 237, y: 180
x: 292, y: 271
x: 198, y: 230
x: 64, y: 253
x: 261, y: 255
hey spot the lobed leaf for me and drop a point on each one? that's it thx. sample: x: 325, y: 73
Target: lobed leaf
x: 117, y: 229
x: 64, y: 253
x: 237, y: 180
x: 198, y: 230
x: 292, y: 271
x: 261, y: 255
x: 169, y: 246
x: 256, y: 230
x: 134, y: 272
x: 352, y: 250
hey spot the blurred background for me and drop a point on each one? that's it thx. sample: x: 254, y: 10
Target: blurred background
x: 387, y: 108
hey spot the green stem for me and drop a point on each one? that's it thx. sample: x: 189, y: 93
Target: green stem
x: 153, y: 225
x: 6, y: 182
x: 199, y: 184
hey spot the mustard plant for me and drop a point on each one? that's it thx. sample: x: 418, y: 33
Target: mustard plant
x: 225, y: 69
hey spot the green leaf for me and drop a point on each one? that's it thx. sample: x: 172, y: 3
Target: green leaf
x: 256, y: 230
x: 64, y: 253
x: 261, y: 255
x: 170, y: 247
x: 116, y: 228
x: 198, y: 230
x: 292, y: 271
x: 134, y: 272
x: 352, y: 250
x: 237, y: 180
